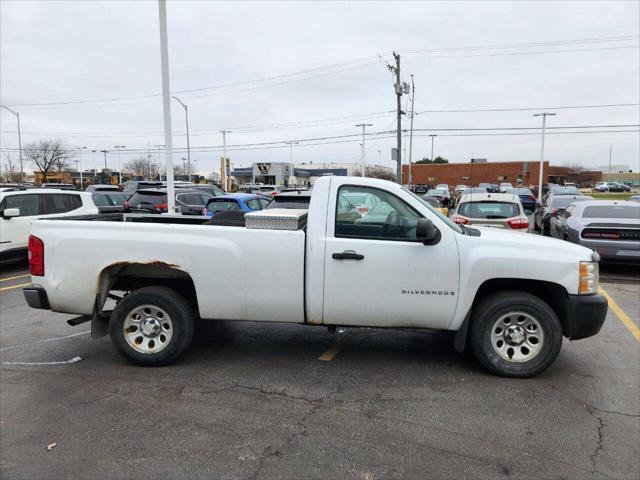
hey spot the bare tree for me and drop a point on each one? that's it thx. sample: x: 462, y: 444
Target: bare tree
x: 47, y: 154
x: 140, y: 167
x: 375, y: 172
x: 574, y: 167
x: 11, y: 170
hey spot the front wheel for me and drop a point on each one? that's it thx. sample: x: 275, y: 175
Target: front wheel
x: 515, y: 334
x: 152, y: 326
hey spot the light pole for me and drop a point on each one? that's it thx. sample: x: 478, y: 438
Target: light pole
x: 610, y: 155
x: 183, y: 170
x: 432, y: 137
x: 224, y: 160
x: 544, y: 122
x: 19, y: 141
x: 413, y: 96
x: 166, y: 106
x: 118, y: 148
x: 104, y: 171
x: 186, y: 116
x: 379, y: 157
x: 93, y: 158
x: 291, y: 172
x: 80, y: 162
x: 363, y: 125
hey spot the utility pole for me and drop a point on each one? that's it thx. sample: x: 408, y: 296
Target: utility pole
x: 183, y: 168
x: 544, y: 122
x: 432, y: 137
x: 291, y: 168
x: 118, y: 148
x: 400, y: 89
x: 166, y: 106
x: 413, y: 97
x: 104, y: 171
x: 186, y: 115
x: 80, y: 161
x: 363, y: 125
x: 227, y: 182
x: 19, y: 142
x: 610, y: 154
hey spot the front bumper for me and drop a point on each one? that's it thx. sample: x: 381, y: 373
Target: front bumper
x: 586, y: 316
x: 36, y: 297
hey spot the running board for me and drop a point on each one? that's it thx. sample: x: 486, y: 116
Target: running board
x: 74, y: 322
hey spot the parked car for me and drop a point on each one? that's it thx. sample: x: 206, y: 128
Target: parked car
x: 502, y: 294
x: 19, y: 208
x: 505, y: 187
x: 634, y: 198
x: 132, y: 186
x: 610, y: 227
x: 210, y: 189
x: 154, y: 200
x: 460, y: 188
x: 442, y: 195
x: 611, y: 187
x: 527, y: 199
x: 435, y: 203
x: 292, y: 199
x: 442, y: 186
x: 472, y: 190
x: 420, y: 189
x: 499, y: 210
x: 489, y: 187
x: 269, y: 190
x: 245, y: 202
x: 552, y: 206
x: 109, y: 201
x: 59, y: 186
x: 103, y: 188
x: 563, y: 190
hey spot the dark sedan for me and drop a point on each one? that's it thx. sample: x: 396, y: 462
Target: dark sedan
x: 610, y: 227
x: 554, y: 205
x: 526, y: 198
x: 154, y: 200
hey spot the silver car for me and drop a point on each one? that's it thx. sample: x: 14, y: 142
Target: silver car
x: 610, y: 227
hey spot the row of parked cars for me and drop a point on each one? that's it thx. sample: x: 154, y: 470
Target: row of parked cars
x: 611, y: 227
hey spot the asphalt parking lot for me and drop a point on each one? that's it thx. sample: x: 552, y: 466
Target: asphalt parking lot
x: 252, y: 400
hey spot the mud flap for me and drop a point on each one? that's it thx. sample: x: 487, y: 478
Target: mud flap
x: 99, y: 321
x: 460, y: 339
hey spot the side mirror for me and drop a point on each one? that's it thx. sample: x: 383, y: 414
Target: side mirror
x: 426, y: 232
x: 9, y: 213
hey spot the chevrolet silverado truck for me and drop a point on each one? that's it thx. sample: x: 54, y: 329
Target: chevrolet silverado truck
x: 509, y: 297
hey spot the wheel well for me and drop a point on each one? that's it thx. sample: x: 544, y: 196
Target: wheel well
x: 554, y: 294
x: 128, y: 277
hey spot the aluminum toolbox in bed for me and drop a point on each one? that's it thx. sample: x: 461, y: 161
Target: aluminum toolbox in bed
x: 277, y: 219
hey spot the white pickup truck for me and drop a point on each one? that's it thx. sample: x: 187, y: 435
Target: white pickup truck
x: 509, y: 297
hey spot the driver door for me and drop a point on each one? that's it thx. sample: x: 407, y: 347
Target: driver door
x: 377, y: 274
x: 14, y: 232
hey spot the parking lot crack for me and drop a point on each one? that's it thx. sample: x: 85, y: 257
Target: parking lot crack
x: 599, y: 443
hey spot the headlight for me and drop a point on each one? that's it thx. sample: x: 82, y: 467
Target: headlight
x: 589, y: 277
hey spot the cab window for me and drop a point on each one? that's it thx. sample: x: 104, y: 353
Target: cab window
x: 60, y: 203
x: 28, y: 204
x: 364, y: 212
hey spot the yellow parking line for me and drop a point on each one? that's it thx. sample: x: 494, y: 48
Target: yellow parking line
x: 14, y: 278
x: 624, y: 318
x: 14, y: 286
x: 334, y: 349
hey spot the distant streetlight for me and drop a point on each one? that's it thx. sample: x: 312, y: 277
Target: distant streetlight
x: 291, y: 172
x: 118, y: 148
x: 432, y: 137
x: 19, y: 141
x: 544, y: 122
x: 363, y: 125
x: 186, y: 115
x: 80, y: 165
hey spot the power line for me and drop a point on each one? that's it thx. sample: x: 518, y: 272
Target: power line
x: 523, y: 109
x: 355, y: 63
x: 542, y: 52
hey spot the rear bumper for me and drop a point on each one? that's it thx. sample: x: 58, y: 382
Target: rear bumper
x: 614, y: 250
x: 36, y: 297
x: 586, y: 316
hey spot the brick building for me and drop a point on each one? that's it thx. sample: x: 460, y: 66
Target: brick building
x: 525, y: 173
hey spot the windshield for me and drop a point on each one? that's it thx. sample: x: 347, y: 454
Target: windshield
x: 626, y: 212
x: 108, y: 199
x: 562, y: 202
x: 451, y: 224
x: 489, y: 210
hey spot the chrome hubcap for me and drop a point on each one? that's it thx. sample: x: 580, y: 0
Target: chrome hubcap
x: 517, y: 337
x: 148, y: 329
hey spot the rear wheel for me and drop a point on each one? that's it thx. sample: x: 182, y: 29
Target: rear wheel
x: 515, y: 334
x: 152, y: 326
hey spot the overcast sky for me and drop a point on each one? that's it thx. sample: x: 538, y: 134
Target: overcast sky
x: 89, y: 73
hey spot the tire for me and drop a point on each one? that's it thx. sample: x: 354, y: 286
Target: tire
x: 497, y: 325
x: 152, y: 326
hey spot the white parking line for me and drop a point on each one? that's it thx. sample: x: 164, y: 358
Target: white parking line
x: 13, y: 347
x: 66, y: 362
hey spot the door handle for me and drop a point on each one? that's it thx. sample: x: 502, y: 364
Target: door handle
x: 347, y: 256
